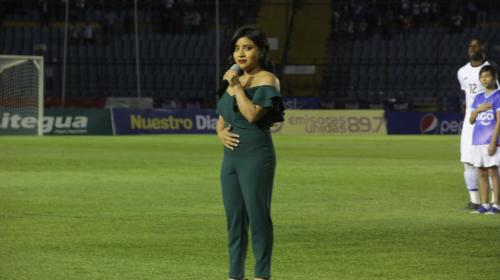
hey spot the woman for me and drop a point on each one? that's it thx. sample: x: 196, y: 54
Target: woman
x: 250, y: 105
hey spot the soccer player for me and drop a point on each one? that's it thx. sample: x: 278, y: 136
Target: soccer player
x: 468, y: 76
x: 486, y: 116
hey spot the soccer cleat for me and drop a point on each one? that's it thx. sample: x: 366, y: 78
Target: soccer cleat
x: 481, y: 210
x: 493, y: 211
x: 472, y: 206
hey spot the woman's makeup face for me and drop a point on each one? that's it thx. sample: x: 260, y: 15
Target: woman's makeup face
x: 246, y: 54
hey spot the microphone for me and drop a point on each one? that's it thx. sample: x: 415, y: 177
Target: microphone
x: 225, y: 83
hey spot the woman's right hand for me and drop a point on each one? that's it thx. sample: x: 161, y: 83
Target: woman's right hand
x: 228, y: 139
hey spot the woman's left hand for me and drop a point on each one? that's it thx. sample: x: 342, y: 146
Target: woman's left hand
x: 232, y: 78
x: 492, y: 148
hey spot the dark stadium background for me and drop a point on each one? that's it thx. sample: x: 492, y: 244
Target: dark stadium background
x: 367, y: 54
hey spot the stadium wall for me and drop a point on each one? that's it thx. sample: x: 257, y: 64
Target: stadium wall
x: 343, y: 122
x: 125, y: 121
x: 297, y: 122
x: 424, y: 123
x: 163, y: 121
x: 59, y: 122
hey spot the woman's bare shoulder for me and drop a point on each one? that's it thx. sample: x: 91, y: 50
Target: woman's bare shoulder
x: 265, y: 78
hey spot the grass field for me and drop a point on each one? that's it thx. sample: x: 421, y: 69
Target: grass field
x: 150, y: 207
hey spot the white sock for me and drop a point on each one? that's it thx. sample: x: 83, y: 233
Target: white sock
x: 496, y: 206
x: 471, y: 181
x: 486, y: 205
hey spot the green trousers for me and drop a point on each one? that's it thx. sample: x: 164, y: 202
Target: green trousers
x: 247, y: 181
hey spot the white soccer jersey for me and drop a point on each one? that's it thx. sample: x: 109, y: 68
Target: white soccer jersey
x: 468, y: 77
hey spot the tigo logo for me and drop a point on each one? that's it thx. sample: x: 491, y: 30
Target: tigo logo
x: 486, y: 117
x: 429, y: 124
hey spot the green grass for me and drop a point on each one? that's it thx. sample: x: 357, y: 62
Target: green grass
x: 150, y: 207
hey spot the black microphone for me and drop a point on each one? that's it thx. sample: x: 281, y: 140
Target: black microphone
x: 225, y: 83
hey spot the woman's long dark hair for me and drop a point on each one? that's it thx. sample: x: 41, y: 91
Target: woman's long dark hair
x: 260, y: 39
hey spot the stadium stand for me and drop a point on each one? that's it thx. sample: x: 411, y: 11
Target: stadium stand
x: 177, y: 58
x: 363, y: 51
x: 375, y: 55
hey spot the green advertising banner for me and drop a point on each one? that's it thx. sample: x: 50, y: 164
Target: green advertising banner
x: 77, y: 122
x: 348, y: 122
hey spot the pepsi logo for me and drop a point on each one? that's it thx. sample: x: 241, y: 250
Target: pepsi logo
x: 429, y: 124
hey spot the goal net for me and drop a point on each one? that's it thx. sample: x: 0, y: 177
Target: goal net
x: 21, y: 95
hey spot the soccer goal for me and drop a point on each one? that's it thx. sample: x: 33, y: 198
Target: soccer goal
x: 21, y: 95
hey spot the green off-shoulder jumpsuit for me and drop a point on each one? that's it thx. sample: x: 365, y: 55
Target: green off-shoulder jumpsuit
x: 247, y: 182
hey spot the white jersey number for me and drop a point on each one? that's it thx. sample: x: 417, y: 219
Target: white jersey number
x: 473, y: 88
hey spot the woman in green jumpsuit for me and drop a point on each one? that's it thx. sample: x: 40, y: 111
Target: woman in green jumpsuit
x: 247, y: 109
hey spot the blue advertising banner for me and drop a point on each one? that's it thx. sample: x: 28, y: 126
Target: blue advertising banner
x: 301, y: 102
x: 424, y: 123
x: 163, y: 121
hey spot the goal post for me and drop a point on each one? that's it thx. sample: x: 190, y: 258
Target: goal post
x: 21, y: 95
